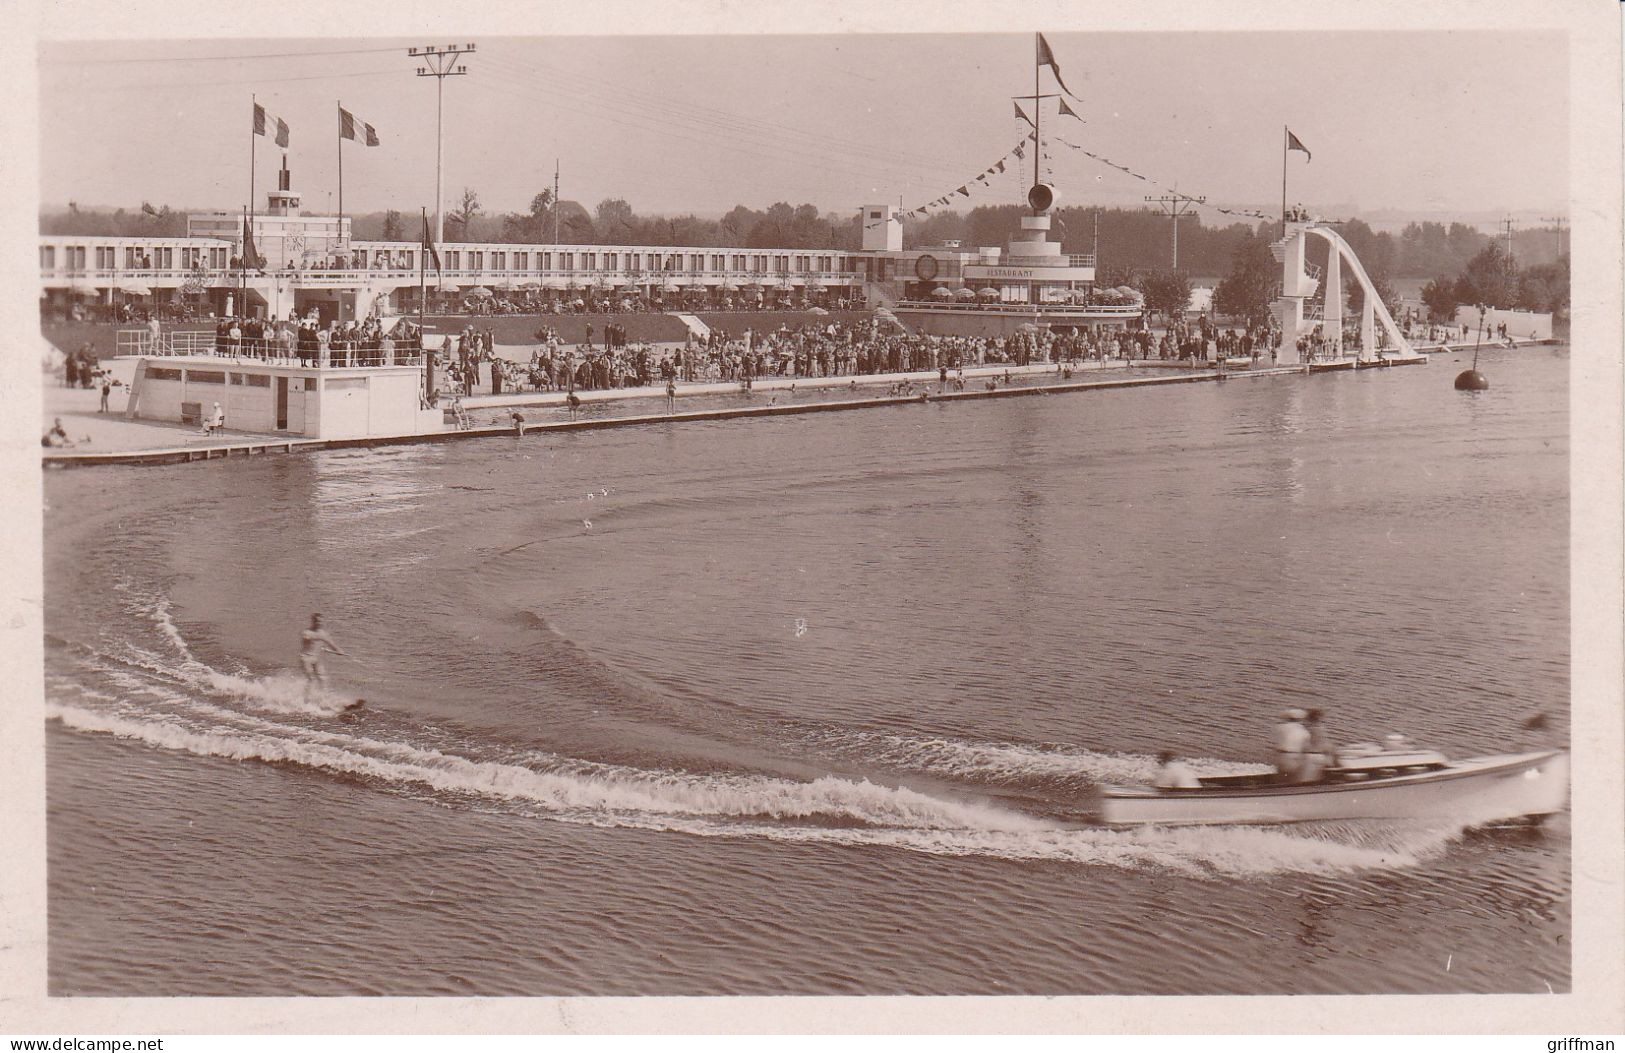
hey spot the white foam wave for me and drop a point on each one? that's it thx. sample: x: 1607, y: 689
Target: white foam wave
x: 747, y: 806
x: 624, y: 790
x: 1004, y: 762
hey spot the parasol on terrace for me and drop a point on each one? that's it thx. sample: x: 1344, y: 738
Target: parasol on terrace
x: 987, y: 293
x: 135, y: 288
x: 449, y: 288
x: 480, y: 292
x: 942, y: 292
x: 965, y: 294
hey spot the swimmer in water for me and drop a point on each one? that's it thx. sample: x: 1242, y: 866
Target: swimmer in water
x: 312, y: 643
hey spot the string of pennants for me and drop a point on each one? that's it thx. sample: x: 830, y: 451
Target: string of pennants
x: 1248, y: 212
x: 1017, y: 152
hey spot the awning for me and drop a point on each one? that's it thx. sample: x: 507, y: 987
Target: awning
x: 134, y: 288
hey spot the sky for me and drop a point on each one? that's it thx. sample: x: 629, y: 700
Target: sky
x: 1421, y: 121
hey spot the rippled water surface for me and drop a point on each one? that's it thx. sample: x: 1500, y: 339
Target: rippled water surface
x: 811, y: 704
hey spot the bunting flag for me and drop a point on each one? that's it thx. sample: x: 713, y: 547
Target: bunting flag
x: 428, y: 245
x: 1250, y: 213
x: 347, y: 128
x: 261, y: 119
x: 1067, y: 111
x: 1294, y: 143
x: 1023, y: 115
x: 1046, y: 57
x: 999, y: 166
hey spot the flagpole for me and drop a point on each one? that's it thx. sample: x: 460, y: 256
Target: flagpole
x: 1284, y: 133
x: 345, y: 241
x: 423, y: 280
x: 1038, y: 114
x: 253, y: 134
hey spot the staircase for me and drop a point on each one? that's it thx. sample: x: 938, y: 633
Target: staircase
x: 700, y: 330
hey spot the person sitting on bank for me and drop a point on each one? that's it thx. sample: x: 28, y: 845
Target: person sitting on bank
x: 1172, y: 774
x: 1291, y: 742
x: 216, y: 421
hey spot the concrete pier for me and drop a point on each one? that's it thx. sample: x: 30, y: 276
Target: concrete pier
x: 139, y: 442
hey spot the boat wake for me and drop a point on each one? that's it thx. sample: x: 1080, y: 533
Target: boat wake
x: 177, y: 702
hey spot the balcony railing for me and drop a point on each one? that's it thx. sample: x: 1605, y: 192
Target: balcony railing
x: 583, y: 278
x: 1027, y: 309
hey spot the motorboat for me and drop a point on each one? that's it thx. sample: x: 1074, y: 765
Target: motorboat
x: 1366, y: 782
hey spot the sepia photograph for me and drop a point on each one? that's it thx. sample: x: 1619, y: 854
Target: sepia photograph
x: 1043, y: 506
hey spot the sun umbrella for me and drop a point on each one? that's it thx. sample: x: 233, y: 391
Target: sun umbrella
x: 480, y: 291
x: 942, y: 292
x: 965, y: 294
x: 134, y: 288
x: 448, y: 287
x: 83, y: 286
x: 988, y: 293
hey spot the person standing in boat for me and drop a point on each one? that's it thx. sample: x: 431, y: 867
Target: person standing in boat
x: 1291, y: 744
x: 1319, y: 753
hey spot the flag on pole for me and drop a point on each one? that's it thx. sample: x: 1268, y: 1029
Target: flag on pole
x: 428, y: 245
x: 1046, y: 57
x: 348, y: 126
x: 263, y: 119
x: 251, y: 256
x: 1294, y: 143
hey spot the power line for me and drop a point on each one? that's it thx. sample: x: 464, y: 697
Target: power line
x: 1176, y: 206
x: 440, y: 63
x: 218, y: 58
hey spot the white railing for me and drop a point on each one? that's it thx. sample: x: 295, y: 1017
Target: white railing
x: 1096, y: 310
x: 316, y: 277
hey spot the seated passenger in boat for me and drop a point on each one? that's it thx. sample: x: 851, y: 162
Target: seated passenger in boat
x: 1291, y: 743
x: 1172, y: 774
x: 1319, y: 753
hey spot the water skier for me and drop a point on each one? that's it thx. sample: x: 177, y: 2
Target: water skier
x: 312, y: 643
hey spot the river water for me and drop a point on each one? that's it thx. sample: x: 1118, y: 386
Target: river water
x: 812, y: 704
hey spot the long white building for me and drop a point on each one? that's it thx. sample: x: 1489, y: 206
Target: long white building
x: 311, y: 264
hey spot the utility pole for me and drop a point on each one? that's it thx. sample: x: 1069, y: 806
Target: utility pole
x: 441, y: 62
x: 555, y: 201
x: 1176, y: 206
x: 1556, y: 221
x: 1508, y: 223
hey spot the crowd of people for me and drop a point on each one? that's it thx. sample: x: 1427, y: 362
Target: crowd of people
x: 528, y: 302
x: 834, y: 349
x: 309, y: 342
